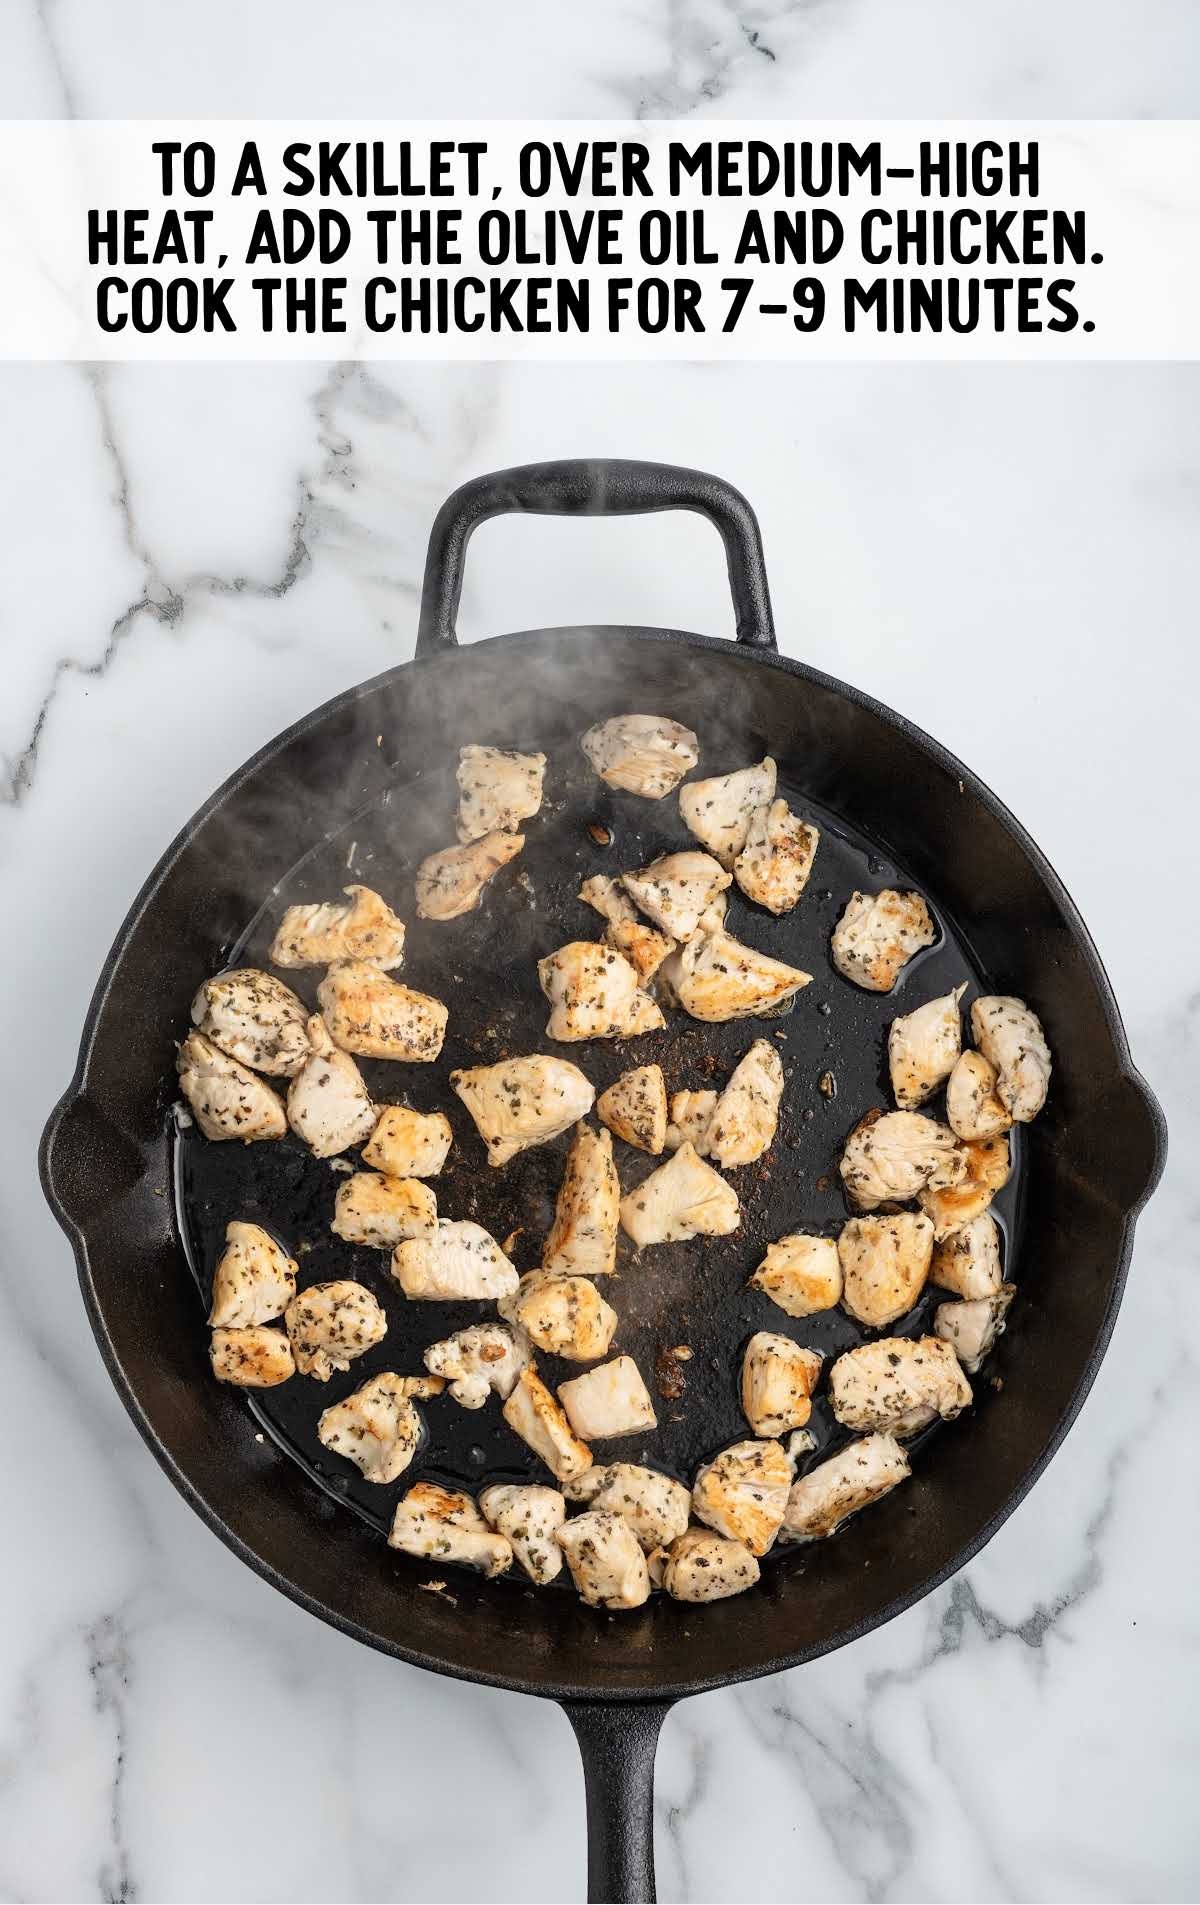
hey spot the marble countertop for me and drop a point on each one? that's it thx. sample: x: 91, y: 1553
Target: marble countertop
x: 1007, y: 554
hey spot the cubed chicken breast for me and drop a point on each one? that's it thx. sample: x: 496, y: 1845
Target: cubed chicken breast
x: 899, y: 1383
x: 607, y: 1401
x: 253, y: 1358
x: 702, y: 1565
x: 715, y: 978
x: 377, y: 1428
x: 974, y: 1108
x: 743, y: 1493
x: 657, y: 1507
x: 635, y: 1108
x: 330, y: 1324
x: 227, y: 1099
x: 382, y: 1211
x: 772, y: 868
x: 675, y: 891
x: 328, y: 1104
x: 407, y: 1143
x: 451, y: 882
x: 583, y: 1239
x: 375, y: 1017
x: 254, y: 1280
x: 891, y: 1155
x: 861, y: 1473
x: 532, y: 1413
x: 743, y: 1121
x: 497, y: 790
x: 878, y: 934
x: 719, y: 811
x: 971, y: 1328
x: 641, y: 753
x: 322, y: 935
x: 923, y: 1048
x: 529, y: 1518
x: 803, y: 1275
x: 607, y: 1564
x: 442, y: 1524
x: 989, y: 1162
x: 479, y: 1361
x: 255, y: 1018
x: 1011, y: 1038
x: 691, y: 1115
x: 778, y: 1378
x: 564, y: 1316
x: 885, y: 1263
x: 523, y: 1101
x: 968, y: 1261
x: 455, y: 1262
x: 594, y: 993
x: 683, y: 1198
x: 643, y: 946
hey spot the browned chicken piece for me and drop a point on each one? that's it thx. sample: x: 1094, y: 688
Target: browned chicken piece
x: 442, y: 1524
x: 452, y: 1263
x: 332, y: 1323
x: 532, y: 1413
x: 1011, y: 1038
x: 778, y: 1378
x: 740, y: 1124
x: 529, y: 1517
x: 482, y: 1360
x: 497, y: 790
x: 676, y: 890
x: 704, y: 1566
x: 253, y: 1358
x: 255, y: 1018
x: 382, y: 1211
x: 923, y: 1048
x: 564, y: 1316
x: 891, y: 1155
x: 715, y: 978
x: 743, y: 1493
x: 322, y: 935
x: 407, y: 1143
x: 583, y: 1239
x: 861, y: 1473
x: 328, y: 1105
x: 641, y: 753
x: 968, y: 1261
x: 971, y: 1328
x: 594, y: 993
x: 609, y: 1400
x: 377, y: 1428
x: 642, y: 945
x: 974, y: 1108
x: 451, y: 882
x: 254, y: 1280
x: 227, y: 1099
x: 803, y: 1275
x: 719, y: 811
x: 899, y: 1384
x: 683, y: 1198
x: 885, y: 1263
x: 373, y: 1016
x: 691, y: 1115
x: 607, y: 1564
x: 523, y: 1101
x: 656, y: 1506
x: 878, y: 934
x: 773, y: 867
x: 989, y: 1163
x: 635, y: 1108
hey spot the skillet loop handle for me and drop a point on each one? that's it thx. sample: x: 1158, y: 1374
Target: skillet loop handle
x: 593, y: 486
x: 618, y: 1744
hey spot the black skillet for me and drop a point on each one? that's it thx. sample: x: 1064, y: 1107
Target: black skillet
x: 364, y: 787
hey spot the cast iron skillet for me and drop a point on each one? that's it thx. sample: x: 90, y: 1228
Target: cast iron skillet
x: 367, y: 779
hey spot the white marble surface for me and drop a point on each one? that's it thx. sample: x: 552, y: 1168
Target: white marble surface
x: 1011, y: 556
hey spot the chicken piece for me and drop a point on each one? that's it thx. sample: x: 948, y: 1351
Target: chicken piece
x: 968, y: 1261
x: 989, y: 1163
x: 583, y: 1239
x: 523, y: 1101
x: 254, y: 1280
x: 477, y: 1361
x: 923, y: 1048
x: 564, y: 1316
x: 885, y: 1263
x: 324, y: 934
x: 607, y: 1565
x: 594, y: 993
x: 743, y: 1493
x: 254, y: 1358
x: 899, y: 1384
x: 641, y: 753
x: 971, y: 1328
x: 778, y: 1378
x: 532, y: 1413
x: 377, y: 1428
x: 529, y: 1518
x: 382, y: 1211
x: 644, y: 948
x: 891, y: 1155
x: 607, y: 1401
x: 683, y: 1198
x: 974, y: 1108
x: 455, y: 1262
x: 227, y: 1099
x: 255, y: 1018
x: 657, y: 1507
x: 704, y: 1566
x: 442, y: 1524
x: 497, y: 790
x: 691, y: 1115
x: 719, y: 811
x: 451, y: 882
x: 715, y: 978
x: 712, y: 920
x: 330, y: 1324
x: 1011, y: 1038
x: 743, y: 1121
x: 408, y: 1143
x: 878, y: 934
x: 861, y: 1473
x: 374, y: 1016
x: 773, y: 867
x: 675, y: 891
x: 635, y: 1108
x: 328, y: 1104
x: 803, y: 1275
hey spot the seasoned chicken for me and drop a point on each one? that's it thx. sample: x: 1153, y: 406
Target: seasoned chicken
x: 971, y: 1328
x: 382, y: 1211
x: 719, y: 811
x: 330, y: 1324
x: 641, y: 753
x: 891, y: 1155
x: 744, y: 1492
x: 715, y: 978
x: 923, y: 1048
x: 683, y: 1198
x: 607, y: 1565
x: 974, y: 1108
x: 408, y: 1143
x: 644, y: 948
x: 885, y: 1263
x: 523, y: 1101
x: 656, y: 1506
x: 772, y: 868
x: 878, y: 934
x: 741, y: 1125
x: 675, y: 891
x: 377, y: 1428
x: 583, y: 1239
x: 565, y: 1316
x: 968, y: 1261
x: 529, y: 1518
x: 255, y: 1018
x: 253, y: 1358
x: 227, y: 1099
x: 778, y: 1378
x: 635, y: 1108
x: 441, y: 1524
x: 609, y: 1400
x: 483, y: 1359
x: 452, y: 882
x: 594, y: 993
x: 532, y: 1413
x: 801, y: 1274
x: 989, y: 1162
x: 324, y: 934
x: 899, y: 1384
x: 861, y: 1473
x: 374, y: 1016
x: 691, y: 1115
x: 497, y: 790
x: 328, y: 1104
x: 704, y: 1566
x: 453, y: 1263
x: 1011, y: 1038
x: 254, y: 1280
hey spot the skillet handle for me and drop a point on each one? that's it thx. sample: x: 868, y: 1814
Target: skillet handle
x: 593, y: 486
x: 618, y: 1745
